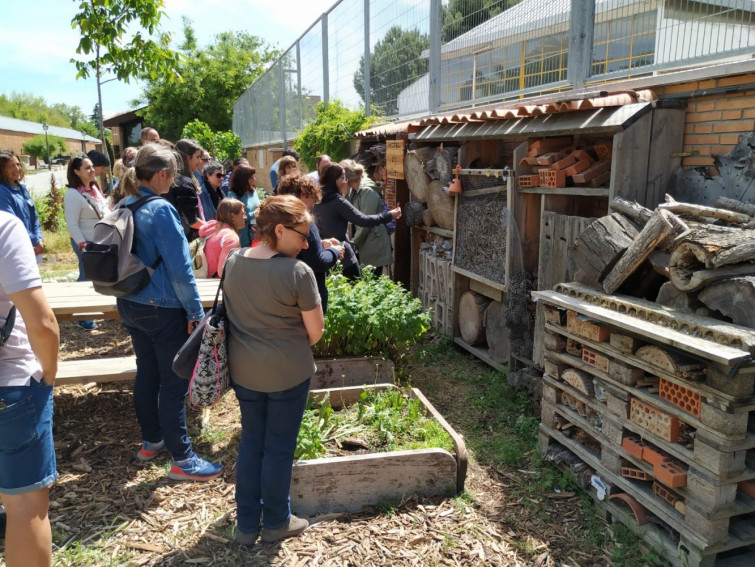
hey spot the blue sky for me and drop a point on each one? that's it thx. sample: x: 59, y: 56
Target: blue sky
x: 37, y: 42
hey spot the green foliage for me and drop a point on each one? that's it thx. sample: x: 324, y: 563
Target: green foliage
x: 370, y: 316
x: 26, y: 106
x: 37, y: 146
x: 330, y: 132
x: 214, y: 77
x: 386, y: 420
x: 221, y: 145
x: 50, y: 211
x: 460, y: 16
x: 54, y: 202
x: 395, y: 63
x: 121, y: 38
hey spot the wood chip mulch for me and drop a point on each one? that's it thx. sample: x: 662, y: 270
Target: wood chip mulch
x: 111, y: 509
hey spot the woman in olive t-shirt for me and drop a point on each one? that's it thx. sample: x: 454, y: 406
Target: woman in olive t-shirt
x: 275, y: 316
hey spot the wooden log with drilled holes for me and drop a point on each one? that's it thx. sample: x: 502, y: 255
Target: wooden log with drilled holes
x: 672, y: 362
x: 414, y: 172
x: 472, y: 306
x: 580, y: 380
x: 655, y: 231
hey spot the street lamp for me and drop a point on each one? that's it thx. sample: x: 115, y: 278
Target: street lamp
x: 45, y: 127
x: 83, y: 141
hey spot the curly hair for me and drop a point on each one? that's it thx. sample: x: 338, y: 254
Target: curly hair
x: 299, y: 185
x: 280, y: 209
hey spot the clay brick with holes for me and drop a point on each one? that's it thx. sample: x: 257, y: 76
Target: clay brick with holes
x: 671, y: 474
x: 586, y: 329
x: 552, y: 178
x: 654, y: 456
x: 573, y: 347
x: 683, y: 398
x: 633, y: 445
x: 528, y: 180
x: 668, y: 495
x: 550, y: 158
x: 654, y: 420
x: 635, y: 474
x: 594, y: 359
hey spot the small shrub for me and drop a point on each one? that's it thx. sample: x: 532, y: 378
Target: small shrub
x: 371, y: 316
x: 55, y: 215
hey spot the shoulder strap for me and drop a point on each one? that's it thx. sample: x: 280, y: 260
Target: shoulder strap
x: 135, y: 206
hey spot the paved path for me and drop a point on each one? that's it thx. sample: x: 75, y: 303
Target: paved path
x: 38, y: 182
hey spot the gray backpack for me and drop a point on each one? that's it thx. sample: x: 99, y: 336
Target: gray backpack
x: 109, y: 259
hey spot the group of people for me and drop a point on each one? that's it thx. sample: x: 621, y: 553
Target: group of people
x: 273, y: 256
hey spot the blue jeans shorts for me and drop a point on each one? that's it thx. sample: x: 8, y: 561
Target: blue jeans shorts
x: 27, y: 451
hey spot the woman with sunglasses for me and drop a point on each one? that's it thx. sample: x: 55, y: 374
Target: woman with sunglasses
x: 212, y: 178
x: 275, y: 316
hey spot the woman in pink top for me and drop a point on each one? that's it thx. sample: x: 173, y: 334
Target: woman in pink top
x: 222, y: 234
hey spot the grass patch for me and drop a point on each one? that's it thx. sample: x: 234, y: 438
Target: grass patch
x: 385, y: 420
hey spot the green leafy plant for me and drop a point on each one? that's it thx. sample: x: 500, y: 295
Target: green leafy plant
x: 222, y: 146
x: 55, y: 215
x: 386, y: 420
x: 370, y: 316
x: 37, y: 146
x: 330, y: 132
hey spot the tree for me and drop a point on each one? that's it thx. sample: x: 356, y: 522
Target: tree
x: 460, y: 16
x: 330, y: 132
x: 223, y: 146
x: 214, y: 77
x: 37, y: 146
x: 112, y: 49
x: 395, y: 63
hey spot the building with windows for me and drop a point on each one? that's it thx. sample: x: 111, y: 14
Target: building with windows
x: 525, y: 49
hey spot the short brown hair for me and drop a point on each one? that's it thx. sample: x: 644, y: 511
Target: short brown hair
x: 280, y: 209
x: 299, y: 185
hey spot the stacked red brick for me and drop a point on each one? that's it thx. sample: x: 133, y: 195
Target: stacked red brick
x: 559, y: 162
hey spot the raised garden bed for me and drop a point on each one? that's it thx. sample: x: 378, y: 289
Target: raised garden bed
x: 350, y: 483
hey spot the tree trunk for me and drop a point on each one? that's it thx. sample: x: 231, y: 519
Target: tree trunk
x: 414, y: 172
x: 600, y: 246
x: 497, y: 333
x: 441, y: 205
x: 630, y: 209
x: 472, y: 308
x: 736, y: 206
x: 656, y: 229
x: 734, y: 298
x: 702, y: 211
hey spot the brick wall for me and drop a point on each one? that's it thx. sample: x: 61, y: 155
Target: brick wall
x: 15, y: 140
x: 714, y: 123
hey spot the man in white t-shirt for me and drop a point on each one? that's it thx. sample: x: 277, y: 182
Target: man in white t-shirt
x: 28, y: 365
x: 323, y: 162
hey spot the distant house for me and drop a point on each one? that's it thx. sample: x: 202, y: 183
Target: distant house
x: 527, y: 46
x: 126, y: 128
x: 14, y: 132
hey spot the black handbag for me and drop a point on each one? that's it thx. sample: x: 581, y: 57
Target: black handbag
x: 185, y: 360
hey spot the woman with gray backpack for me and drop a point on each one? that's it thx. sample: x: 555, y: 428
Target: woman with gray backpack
x: 160, y: 316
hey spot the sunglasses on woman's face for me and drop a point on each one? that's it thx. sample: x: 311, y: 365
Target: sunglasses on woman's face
x: 218, y: 175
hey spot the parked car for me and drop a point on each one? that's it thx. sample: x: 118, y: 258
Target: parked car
x: 60, y: 159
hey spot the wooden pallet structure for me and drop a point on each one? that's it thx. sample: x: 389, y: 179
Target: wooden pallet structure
x: 436, y: 290
x: 660, y: 406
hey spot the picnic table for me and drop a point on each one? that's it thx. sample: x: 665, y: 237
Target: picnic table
x: 71, y: 301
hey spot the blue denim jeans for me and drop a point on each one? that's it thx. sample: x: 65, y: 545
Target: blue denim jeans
x: 81, y: 262
x: 269, y: 427
x: 159, y: 395
x: 27, y: 451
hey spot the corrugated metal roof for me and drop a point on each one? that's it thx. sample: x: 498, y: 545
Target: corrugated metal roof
x: 17, y: 125
x: 595, y: 120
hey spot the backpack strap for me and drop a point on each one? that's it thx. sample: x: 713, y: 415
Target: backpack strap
x: 135, y: 206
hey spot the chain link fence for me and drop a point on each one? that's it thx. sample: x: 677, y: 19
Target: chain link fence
x: 408, y: 58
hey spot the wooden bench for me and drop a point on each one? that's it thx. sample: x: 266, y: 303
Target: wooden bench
x: 330, y: 373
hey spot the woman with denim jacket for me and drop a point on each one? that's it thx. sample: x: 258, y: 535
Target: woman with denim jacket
x: 160, y: 316
x: 15, y: 199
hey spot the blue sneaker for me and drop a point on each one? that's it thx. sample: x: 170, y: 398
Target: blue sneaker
x: 194, y: 468
x: 149, y: 451
x: 87, y: 324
